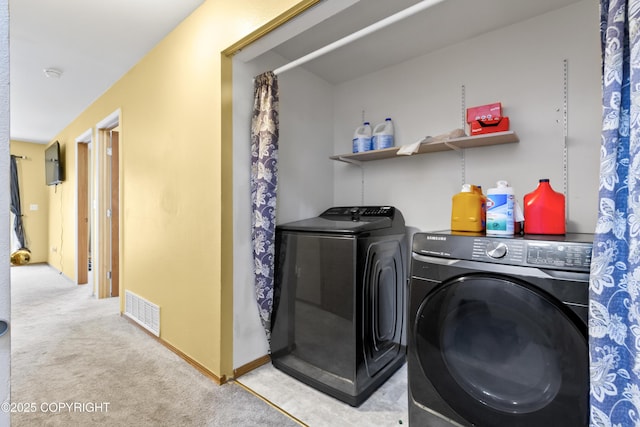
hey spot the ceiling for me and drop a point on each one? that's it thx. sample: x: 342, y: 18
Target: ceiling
x: 444, y: 23
x: 93, y: 43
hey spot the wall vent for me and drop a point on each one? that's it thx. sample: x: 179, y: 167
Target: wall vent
x: 143, y: 312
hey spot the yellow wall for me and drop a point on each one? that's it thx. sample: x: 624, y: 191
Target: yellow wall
x: 33, y: 191
x: 171, y: 179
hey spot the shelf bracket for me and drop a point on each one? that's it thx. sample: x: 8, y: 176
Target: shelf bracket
x: 450, y: 145
x: 350, y: 161
x: 565, y: 131
x: 463, y: 114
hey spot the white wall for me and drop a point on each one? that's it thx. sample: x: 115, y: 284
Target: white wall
x: 520, y: 65
x: 5, y: 279
x: 305, y: 178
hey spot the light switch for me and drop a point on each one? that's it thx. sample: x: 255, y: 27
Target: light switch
x: 33, y: 207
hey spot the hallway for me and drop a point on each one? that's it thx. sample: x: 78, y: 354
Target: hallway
x: 77, y: 362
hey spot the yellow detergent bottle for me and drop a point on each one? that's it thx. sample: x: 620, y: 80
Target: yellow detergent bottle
x: 468, y: 210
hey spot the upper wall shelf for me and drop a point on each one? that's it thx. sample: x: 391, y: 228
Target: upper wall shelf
x: 434, y: 146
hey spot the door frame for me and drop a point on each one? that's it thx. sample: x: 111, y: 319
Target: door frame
x: 83, y: 179
x: 103, y: 250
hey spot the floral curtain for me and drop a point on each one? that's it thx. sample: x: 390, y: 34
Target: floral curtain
x: 614, y: 308
x: 264, y: 174
x: 15, y: 207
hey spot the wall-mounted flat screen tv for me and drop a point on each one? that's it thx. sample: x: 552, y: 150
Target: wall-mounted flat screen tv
x: 53, y: 164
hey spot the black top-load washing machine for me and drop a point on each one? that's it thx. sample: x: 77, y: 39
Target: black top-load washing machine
x: 498, y: 330
x: 338, y: 321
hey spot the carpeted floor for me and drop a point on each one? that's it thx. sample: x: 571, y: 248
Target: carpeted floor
x: 77, y: 362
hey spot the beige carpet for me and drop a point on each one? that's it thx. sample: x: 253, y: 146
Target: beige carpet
x: 77, y: 362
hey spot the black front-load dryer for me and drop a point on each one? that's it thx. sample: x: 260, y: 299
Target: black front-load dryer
x: 498, y: 330
x: 338, y: 321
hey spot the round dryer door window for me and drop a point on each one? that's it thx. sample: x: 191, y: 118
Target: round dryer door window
x: 501, y: 352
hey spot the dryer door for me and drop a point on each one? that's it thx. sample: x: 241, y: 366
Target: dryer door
x: 500, y: 352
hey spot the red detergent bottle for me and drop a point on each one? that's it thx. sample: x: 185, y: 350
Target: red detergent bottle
x: 544, y: 210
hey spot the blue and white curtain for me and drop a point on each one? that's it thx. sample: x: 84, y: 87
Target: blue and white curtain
x: 614, y: 311
x: 264, y: 180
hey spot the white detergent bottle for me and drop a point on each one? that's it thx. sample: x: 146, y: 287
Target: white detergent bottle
x: 500, y: 206
x: 362, y: 138
x: 383, y: 135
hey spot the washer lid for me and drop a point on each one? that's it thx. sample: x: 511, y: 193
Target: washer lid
x: 346, y: 220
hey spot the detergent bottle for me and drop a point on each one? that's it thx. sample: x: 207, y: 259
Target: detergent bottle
x: 484, y: 206
x: 467, y: 210
x: 544, y: 210
x: 362, y: 138
x: 500, y: 205
x: 383, y: 135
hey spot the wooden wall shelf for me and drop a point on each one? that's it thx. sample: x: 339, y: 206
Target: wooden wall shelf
x: 429, y: 146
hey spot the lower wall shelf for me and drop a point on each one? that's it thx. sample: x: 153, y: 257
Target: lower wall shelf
x: 431, y: 146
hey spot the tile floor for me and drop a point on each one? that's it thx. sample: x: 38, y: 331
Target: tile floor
x: 387, y: 406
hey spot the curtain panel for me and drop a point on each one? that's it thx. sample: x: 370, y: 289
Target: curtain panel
x: 15, y: 207
x: 264, y: 180
x: 614, y: 291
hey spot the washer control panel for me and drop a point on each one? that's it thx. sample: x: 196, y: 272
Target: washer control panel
x: 568, y: 252
x: 559, y: 255
x: 534, y: 253
x: 496, y: 250
x: 485, y: 249
x: 386, y: 211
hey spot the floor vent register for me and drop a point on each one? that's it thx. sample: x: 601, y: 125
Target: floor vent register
x: 143, y: 312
